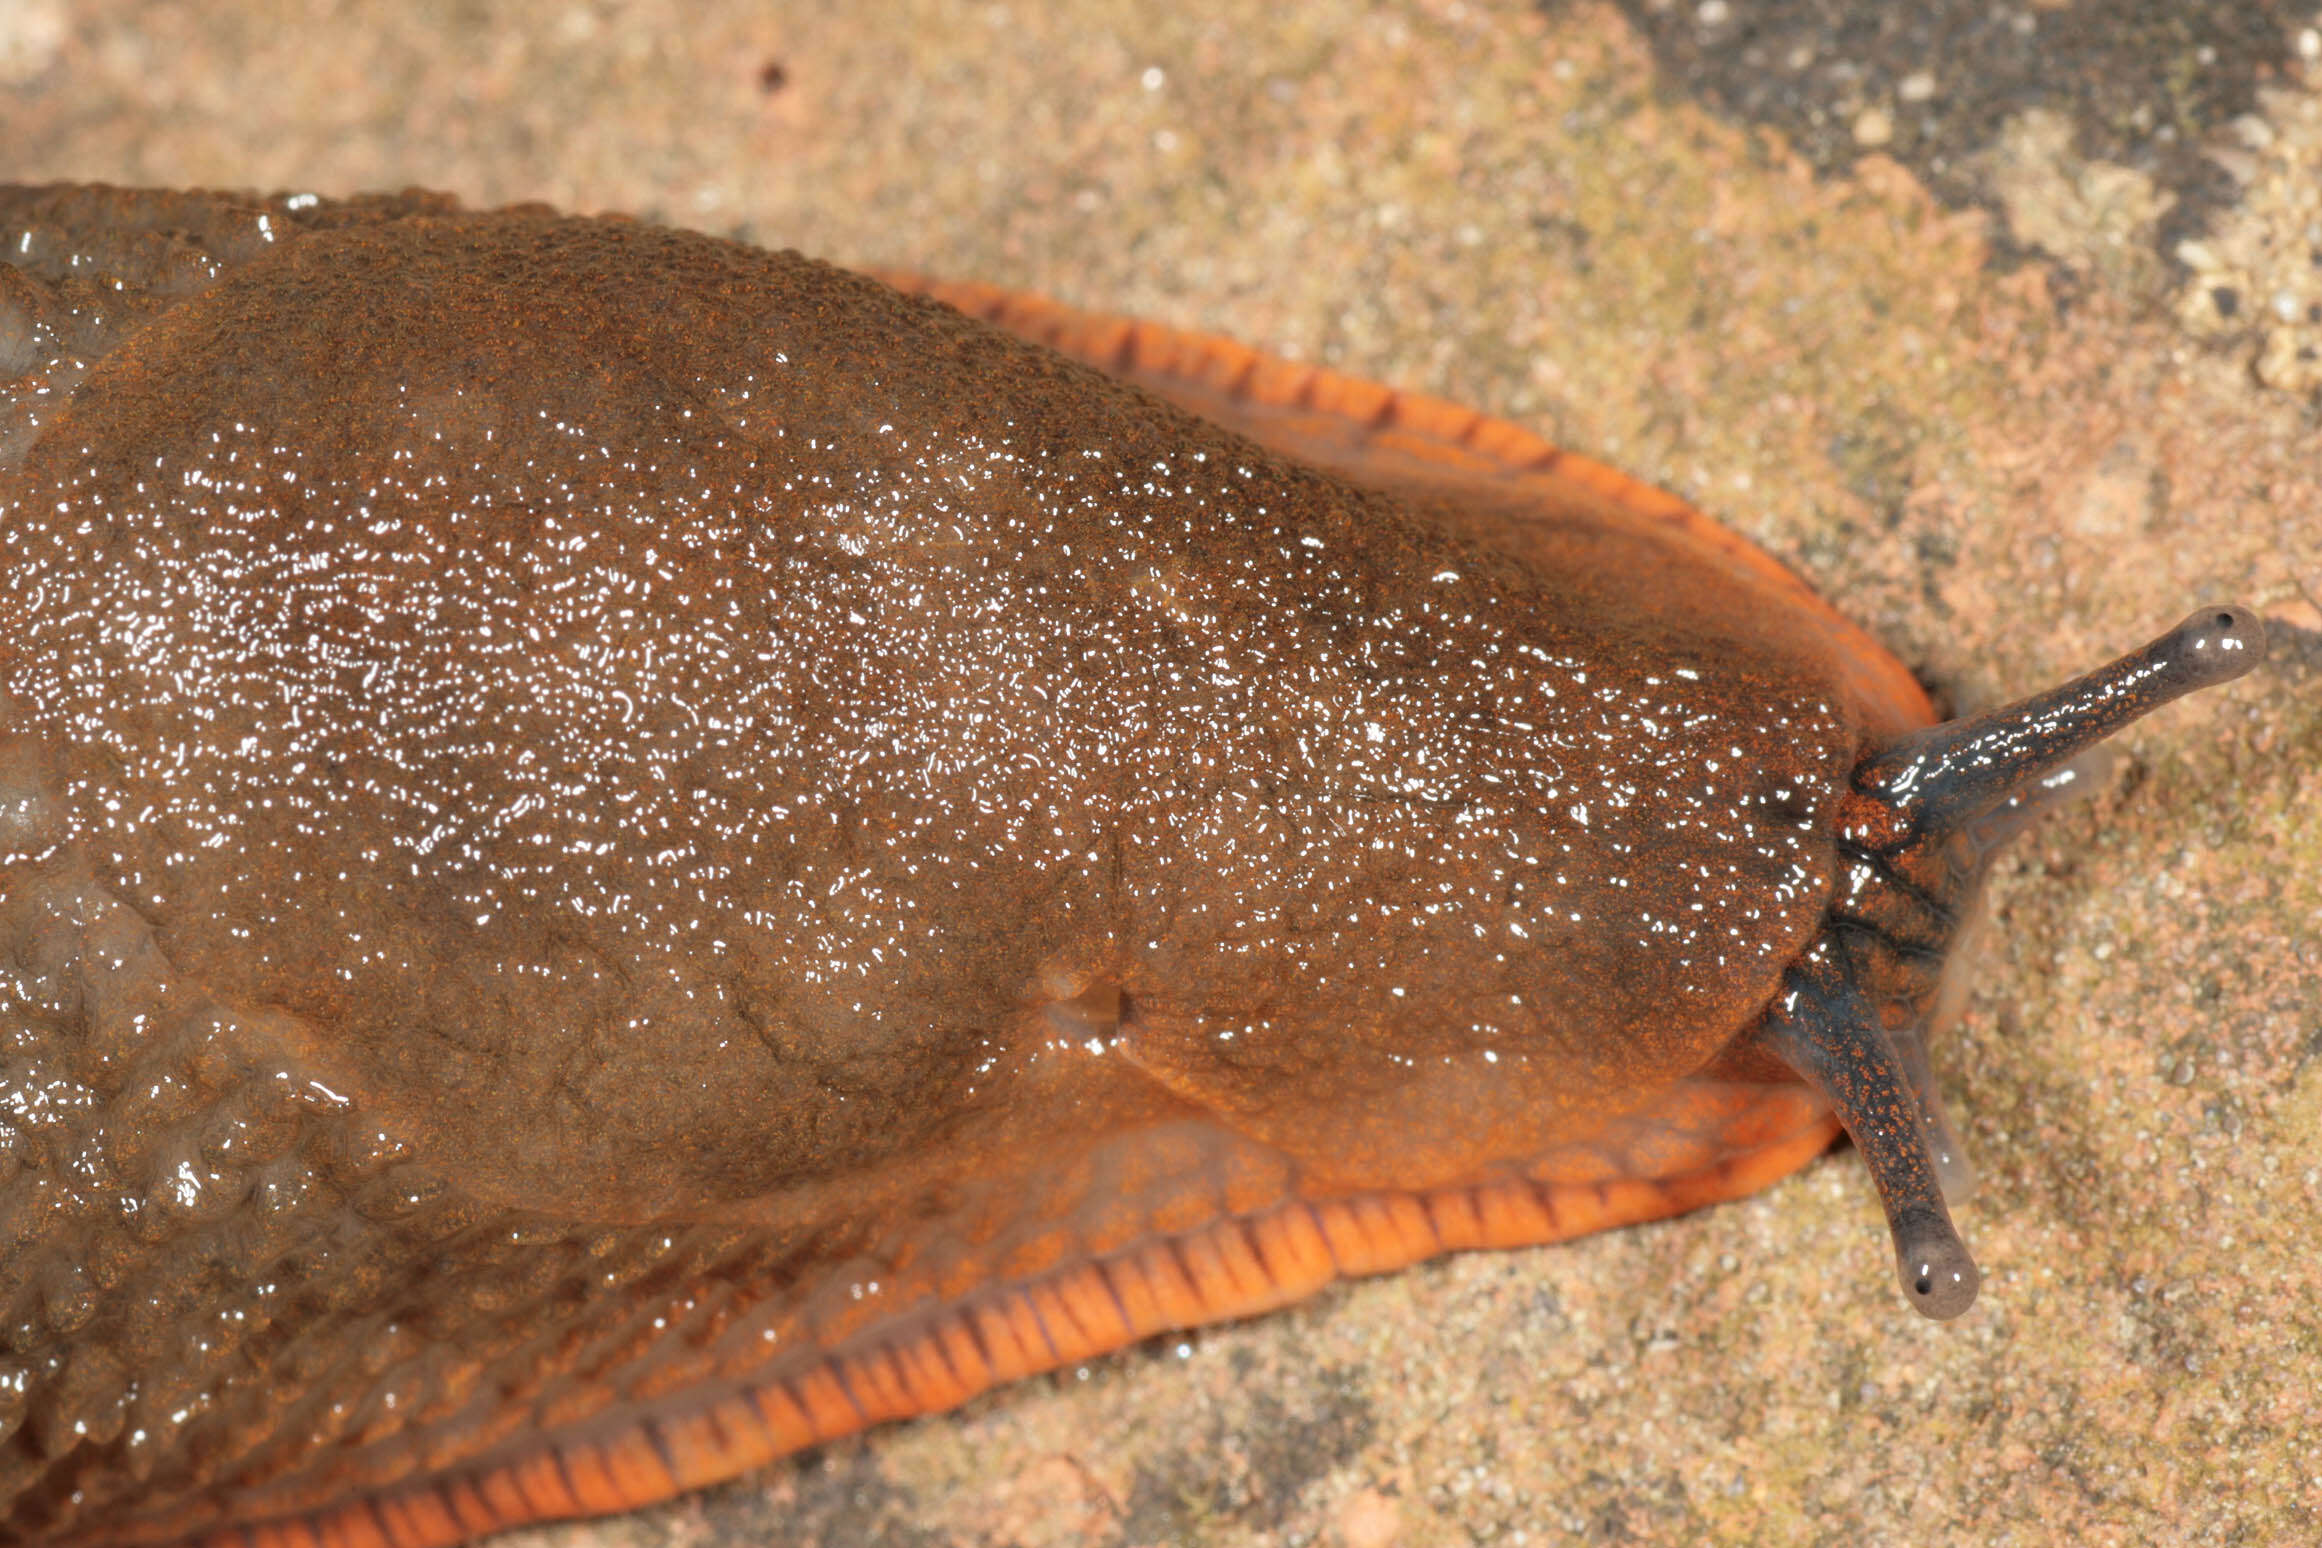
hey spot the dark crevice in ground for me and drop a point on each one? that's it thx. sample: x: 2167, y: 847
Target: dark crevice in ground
x: 2148, y: 84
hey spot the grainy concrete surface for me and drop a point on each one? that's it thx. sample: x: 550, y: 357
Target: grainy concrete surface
x: 1960, y: 368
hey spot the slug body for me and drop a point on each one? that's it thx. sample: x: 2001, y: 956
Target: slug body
x: 620, y: 853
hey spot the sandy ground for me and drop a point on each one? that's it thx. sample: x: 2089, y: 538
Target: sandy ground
x: 2016, y: 385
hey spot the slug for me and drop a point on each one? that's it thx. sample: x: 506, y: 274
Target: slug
x: 620, y: 854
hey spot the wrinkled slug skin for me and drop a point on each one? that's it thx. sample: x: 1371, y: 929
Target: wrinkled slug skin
x: 593, y: 820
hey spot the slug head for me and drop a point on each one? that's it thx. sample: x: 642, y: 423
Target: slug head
x: 1915, y: 832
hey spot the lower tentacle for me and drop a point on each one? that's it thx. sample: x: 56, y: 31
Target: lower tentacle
x: 1823, y: 1028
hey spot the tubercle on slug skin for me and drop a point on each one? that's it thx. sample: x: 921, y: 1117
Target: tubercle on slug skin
x: 623, y: 854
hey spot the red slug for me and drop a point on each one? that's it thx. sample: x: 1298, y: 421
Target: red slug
x: 620, y: 854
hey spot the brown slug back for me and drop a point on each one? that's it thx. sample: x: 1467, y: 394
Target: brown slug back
x: 619, y: 854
